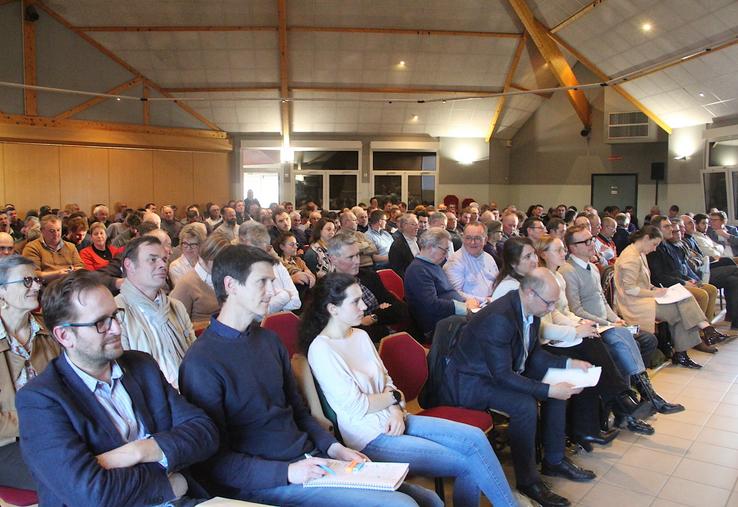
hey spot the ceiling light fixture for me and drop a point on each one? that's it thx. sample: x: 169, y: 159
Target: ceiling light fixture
x: 117, y: 98
x: 414, y: 118
x: 701, y: 94
x: 402, y: 63
x: 646, y: 27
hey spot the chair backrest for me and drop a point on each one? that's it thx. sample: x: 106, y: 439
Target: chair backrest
x: 392, y: 282
x: 451, y: 199
x: 607, y: 279
x: 466, y: 202
x: 307, y: 384
x: 286, y: 325
x: 405, y: 360
x: 19, y: 497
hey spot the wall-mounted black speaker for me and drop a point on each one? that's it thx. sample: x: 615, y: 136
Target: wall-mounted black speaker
x: 658, y: 170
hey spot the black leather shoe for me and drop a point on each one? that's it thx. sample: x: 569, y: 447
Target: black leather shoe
x: 567, y: 469
x: 626, y: 402
x: 664, y: 407
x: 540, y: 493
x: 635, y: 425
x: 603, y: 438
x: 702, y: 347
x: 682, y: 359
x: 712, y: 336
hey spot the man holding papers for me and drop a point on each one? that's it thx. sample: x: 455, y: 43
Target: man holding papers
x: 498, y: 364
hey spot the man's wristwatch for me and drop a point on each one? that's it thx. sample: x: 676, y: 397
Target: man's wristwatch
x: 397, y: 395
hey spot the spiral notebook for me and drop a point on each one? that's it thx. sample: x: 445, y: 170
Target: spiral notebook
x: 376, y: 476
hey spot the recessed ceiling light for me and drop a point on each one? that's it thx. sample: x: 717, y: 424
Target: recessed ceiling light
x: 701, y: 94
x: 414, y: 118
x: 646, y: 27
x: 117, y: 98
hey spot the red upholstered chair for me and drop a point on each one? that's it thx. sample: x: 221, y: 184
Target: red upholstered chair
x: 286, y: 325
x: 466, y: 202
x: 405, y: 360
x: 18, y: 497
x: 451, y: 199
x: 392, y: 282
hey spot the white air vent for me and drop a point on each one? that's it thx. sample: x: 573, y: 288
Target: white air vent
x: 634, y: 125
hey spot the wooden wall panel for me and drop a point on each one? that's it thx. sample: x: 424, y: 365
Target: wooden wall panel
x: 212, y: 177
x: 84, y: 176
x: 32, y: 176
x: 173, y: 179
x: 2, y: 174
x: 131, y: 177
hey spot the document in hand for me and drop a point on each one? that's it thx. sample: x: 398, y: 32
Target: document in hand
x: 227, y: 502
x: 573, y: 376
x: 674, y: 294
x: 377, y: 476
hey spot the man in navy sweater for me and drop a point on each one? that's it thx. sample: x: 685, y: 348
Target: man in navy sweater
x: 240, y: 374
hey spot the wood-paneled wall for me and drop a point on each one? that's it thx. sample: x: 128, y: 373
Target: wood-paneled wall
x: 32, y: 175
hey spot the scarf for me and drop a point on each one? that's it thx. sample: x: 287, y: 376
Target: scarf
x: 160, y: 327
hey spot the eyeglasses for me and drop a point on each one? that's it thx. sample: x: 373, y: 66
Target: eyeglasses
x: 6, y: 249
x: 27, y: 281
x: 549, y: 304
x: 473, y: 238
x: 189, y: 245
x: 291, y: 243
x: 103, y: 324
x: 587, y: 242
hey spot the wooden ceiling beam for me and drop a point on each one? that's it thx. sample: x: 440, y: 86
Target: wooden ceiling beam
x: 167, y: 28
x: 392, y: 89
x: 604, y: 77
x: 30, y: 98
x: 506, y: 87
x: 284, y: 69
x: 221, y: 89
x: 97, y: 100
x: 146, y: 106
x: 555, y: 59
x: 121, y: 62
x: 581, y: 12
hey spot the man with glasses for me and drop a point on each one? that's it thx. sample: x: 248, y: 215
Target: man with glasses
x: 471, y: 270
x: 101, y: 426
x: 155, y: 323
x: 533, y: 228
x: 6, y: 244
x: 498, y: 364
x: 631, y: 352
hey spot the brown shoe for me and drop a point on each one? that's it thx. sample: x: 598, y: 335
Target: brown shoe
x: 702, y: 347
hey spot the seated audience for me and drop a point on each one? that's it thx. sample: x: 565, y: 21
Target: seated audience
x: 509, y: 225
x: 429, y: 294
x: 76, y: 232
x: 195, y: 289
x: 518, y: 259
x: 229, y: 224
x: 621, y: 238
x: 636, y: 303
x: 382, y: 308
x: 368, y: 404
x: 377, y: 234
x: 190, y: 238
x: 556, y: 227
x: 316, y: 257
x: 170, y: 224
x: 27, y: 348
x: 155, y: 323
x: 605, y: 247
x: 283, y: 224
x: 7, y: 247
x: 451, y: 224
x: 471, y: 270
x: 405, y: 245
x: 99, y: 253
x: 587, y: 301
x: 498, y: 364
x: 284, y: 294
x: 668, y: 266
x: 101, y: 426
x: 5, y: 222
x: 121, y: 234
x: 438, y: 219
x: 362, y: 219
x: 214, y: 218
x: 240, y: 374
x: 367, y: 250
x: 52, y: 256
x: 533, y: 228
x: 723, y: 234
x: 286, y: 247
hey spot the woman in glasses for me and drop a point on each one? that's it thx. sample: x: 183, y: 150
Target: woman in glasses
x: 190, y: 238
x: 25, y: 350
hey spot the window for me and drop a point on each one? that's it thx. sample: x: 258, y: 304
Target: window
x: 264, y: 185
x: 716, y: 190
x: 723, y: 153
x: 328, y: 178
x: 408, y: 176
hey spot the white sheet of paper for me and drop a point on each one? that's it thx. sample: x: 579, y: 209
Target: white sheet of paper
x: 227, y: 502
x: 573, y: 376
x: 674, y: 294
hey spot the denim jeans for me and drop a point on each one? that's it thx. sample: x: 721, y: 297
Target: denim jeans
x: 295, y: 495
x: 624, y: 351
x: 440, y: 448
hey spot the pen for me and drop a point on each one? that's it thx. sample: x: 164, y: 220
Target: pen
x: 323, y: 467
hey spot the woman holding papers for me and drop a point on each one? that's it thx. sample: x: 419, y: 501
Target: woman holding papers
x: 635, y: 299
x: 563, y: 333
x: 369, y: 407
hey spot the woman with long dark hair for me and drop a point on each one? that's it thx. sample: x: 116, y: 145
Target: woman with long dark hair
x: 518, y: 259
x: 369, y: 408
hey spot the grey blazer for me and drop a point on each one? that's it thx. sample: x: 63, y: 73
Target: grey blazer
x: 586, y: 299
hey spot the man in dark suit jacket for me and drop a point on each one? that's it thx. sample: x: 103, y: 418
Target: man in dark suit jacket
x: 382, y: 308
x: 498, y: 364
x: 405, y: 246
x: 100, y: 426
x: 719, y: 232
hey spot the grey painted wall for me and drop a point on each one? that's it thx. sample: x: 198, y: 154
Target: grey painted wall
x: 11, y: 57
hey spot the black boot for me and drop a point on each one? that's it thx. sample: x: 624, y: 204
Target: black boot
x: 682, y: 359
x: 644, y: 386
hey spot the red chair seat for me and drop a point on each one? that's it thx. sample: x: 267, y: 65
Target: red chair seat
x: 477, y: 418
x: 20, y: 497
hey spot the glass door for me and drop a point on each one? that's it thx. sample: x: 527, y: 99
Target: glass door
x: 308, y: 187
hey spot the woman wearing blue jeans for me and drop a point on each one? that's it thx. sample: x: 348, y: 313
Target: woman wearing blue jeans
x: 368, y: 405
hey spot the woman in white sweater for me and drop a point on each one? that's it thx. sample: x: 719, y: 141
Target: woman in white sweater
x: 369, y: 406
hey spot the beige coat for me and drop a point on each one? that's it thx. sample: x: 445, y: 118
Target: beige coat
x: 45, y: 348
x: 631, y: 270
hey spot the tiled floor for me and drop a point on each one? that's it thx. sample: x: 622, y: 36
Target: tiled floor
x: 692, y: 460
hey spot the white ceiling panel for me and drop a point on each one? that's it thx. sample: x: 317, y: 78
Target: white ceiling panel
x: 166, y: 12
x: 239, y: 112
x: 466, y: 15
x: 553, y: 12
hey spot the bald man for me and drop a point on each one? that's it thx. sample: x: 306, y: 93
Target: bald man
x: 498, y: 364
x: 6, y: 244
